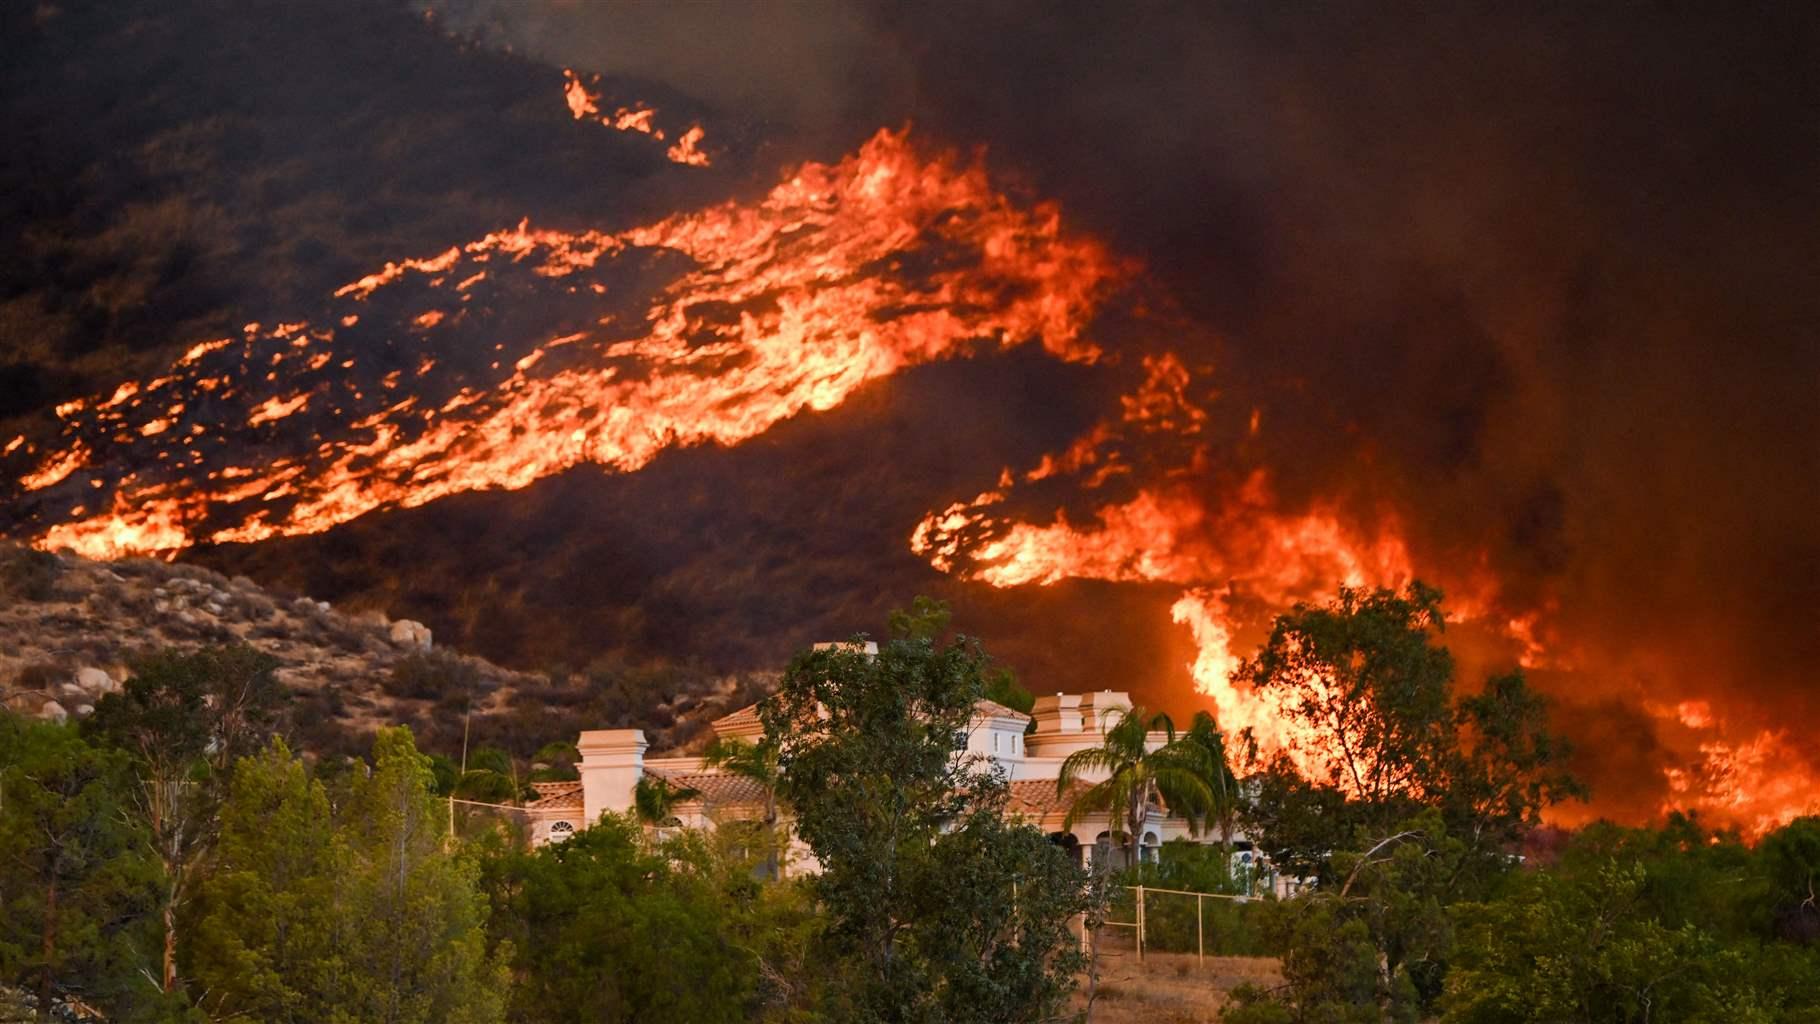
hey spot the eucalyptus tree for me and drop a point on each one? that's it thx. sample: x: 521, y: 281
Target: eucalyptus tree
x: 185, y: 718
x: 938, y: 908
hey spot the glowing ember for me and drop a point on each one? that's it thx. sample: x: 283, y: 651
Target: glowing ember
x: 770, y: 308
x: 640, y: 119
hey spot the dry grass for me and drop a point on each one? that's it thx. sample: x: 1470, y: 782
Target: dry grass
x: 1170, y: 988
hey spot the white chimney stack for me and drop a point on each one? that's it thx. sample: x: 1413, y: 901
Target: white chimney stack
x: 612, y: 762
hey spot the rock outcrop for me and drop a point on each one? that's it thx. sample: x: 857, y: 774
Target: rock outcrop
x: 407, y: 633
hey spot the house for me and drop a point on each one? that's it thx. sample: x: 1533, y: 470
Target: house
x: 613, y: 761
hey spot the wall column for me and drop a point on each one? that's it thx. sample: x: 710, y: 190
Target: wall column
x: 612, y: 762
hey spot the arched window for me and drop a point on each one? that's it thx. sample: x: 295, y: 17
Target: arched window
x: 1150, y: 851
x: 561, y: 830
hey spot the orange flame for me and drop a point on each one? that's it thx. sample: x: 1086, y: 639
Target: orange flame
x: 638, y: 118
x: 1757, y: 781
x: 1176, y: 529
x: 1172, y: 536
x: 793, y: 302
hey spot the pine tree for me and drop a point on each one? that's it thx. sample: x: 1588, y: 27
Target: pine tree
x: 78, y: 888
x: 264, y: 943
x: 413, y: 921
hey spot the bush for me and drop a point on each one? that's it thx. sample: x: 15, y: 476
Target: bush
x: 30, y: 575
x: 432, y: 675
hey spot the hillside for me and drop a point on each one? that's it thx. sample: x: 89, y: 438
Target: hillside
x: 70, y: 629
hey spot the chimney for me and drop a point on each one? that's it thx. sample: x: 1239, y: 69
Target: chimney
x: 1057, y: 715
x: 612, y: 761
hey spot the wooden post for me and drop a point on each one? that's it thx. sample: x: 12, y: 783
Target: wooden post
x: 1200, y: 940
x: 1140, y: 922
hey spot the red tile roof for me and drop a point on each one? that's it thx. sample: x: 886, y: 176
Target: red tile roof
x: 747, y: 717
x: 744, y: 718
x: 997, y: 710
x: 1037, y: 798
x: 556, y: 796
x: 717, y: 789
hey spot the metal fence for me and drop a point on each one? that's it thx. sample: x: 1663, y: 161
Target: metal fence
x: 468, y: 819
x: 1177, y: 921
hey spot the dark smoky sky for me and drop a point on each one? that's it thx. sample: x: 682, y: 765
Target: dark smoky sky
x: 1544, y: 279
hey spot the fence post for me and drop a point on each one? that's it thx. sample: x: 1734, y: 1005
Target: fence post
x: 1200, y: 940
x: 1140, y: 922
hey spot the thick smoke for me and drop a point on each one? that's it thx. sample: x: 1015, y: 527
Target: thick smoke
x: 1542, y: 282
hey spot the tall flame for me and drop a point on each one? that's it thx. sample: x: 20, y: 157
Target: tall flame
x: 1217, y: 544
x: 842, y: 274
x: 1239, y: 557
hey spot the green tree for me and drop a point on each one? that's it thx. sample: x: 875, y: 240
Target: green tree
x: 928, y: 618
x: 1330, y: 972
x: 1398, y: 797
x: 555, y: 761
x: 909, y: 837
x: 79, y: 892
x: 415, y: 918
x: 1588, y: 950
x: 267, y: 941
x: 186, y: 717
x: 491, y: 777
x: 1136, y: 777
x: 611, y: 929
x: 1379, y: 734
x: 1371, y: 690
x: 1506, y: 765
x: 1790, y: 864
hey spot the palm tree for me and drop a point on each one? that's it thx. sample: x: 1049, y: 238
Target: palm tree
x: 654, y: 797
x: 1222, y: 784
x: 1136, y: 775
x: 758, y: 762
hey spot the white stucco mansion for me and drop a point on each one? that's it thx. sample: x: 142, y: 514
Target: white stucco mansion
x: 613, y: 761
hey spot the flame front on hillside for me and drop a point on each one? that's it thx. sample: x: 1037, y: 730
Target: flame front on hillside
x: 842, y: 274
x: 529, y: 351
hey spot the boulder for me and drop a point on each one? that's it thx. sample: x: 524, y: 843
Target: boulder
x: 95, y: 681
x: 53, y: 712
x: 406, y: 633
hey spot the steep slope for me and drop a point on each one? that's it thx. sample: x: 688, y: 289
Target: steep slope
x: 70, y: 629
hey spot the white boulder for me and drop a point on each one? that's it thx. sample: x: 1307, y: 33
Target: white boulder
x: 53, y: 712
x: 406, y: 633
x: 95, y: 681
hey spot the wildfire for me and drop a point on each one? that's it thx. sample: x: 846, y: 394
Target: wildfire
x: 1230, y: 548
x: 1243, y: 546
x: 771, y: 308
x: 1757, y: 782
x: 584, y: 105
